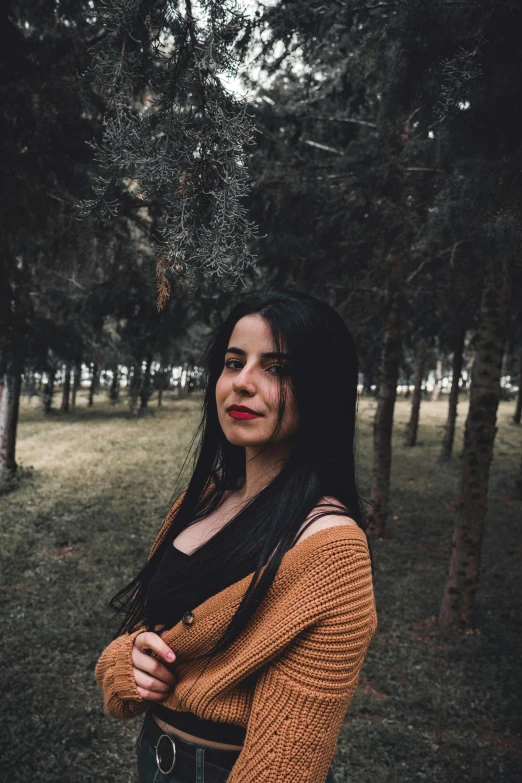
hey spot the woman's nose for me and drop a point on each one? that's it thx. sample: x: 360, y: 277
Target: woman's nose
x: 244, y: 383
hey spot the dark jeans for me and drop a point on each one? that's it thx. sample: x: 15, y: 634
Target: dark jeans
x: 148, y: 771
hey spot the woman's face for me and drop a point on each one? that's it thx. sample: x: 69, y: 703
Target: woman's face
x: 251, y: 379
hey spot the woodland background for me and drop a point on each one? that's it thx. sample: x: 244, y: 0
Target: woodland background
x: 160, y: 158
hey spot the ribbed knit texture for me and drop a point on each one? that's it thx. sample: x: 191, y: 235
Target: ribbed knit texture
x: 290, y: 675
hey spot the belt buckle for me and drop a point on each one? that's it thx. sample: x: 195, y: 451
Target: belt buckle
x: 158, y: 754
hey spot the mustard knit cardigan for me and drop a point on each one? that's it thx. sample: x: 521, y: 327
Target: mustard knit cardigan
x: 289, y: 676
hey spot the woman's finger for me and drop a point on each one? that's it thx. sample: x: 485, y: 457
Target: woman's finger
x: 150, y: 695
x: 144, y: 680
x: 152, y: 641
x: 152, y: 667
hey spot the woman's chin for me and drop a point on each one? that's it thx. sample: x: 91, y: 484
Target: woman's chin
x: 242, y: 439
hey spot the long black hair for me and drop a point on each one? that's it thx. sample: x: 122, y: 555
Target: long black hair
x: 322, y: 376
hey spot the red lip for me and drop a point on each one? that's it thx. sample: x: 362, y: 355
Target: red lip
x: 242, y: 412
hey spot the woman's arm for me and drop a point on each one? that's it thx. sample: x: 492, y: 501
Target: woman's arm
x: 129, y: 676
x: 113, y: 670
x: 300, y: 700
x: 113, y: 674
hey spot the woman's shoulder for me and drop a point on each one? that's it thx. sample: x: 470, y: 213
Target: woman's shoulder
x: 329, y: 509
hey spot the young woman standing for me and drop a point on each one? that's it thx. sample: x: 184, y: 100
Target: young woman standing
x: 245, y: 632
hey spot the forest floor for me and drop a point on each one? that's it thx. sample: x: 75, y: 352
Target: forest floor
x: 430, y: 706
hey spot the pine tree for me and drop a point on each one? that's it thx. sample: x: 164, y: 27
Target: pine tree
x: 174, y: 134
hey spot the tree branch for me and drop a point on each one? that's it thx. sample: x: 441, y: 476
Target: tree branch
x: 416, y: 271
x: 376, y: 6
x: 322, y: 146
x: 452, y: 249
x: 338, y: 119
x: 422, y: 168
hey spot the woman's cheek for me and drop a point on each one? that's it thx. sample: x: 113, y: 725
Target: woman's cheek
x: 221, y: 391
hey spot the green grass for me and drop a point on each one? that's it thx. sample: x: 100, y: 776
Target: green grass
x: 431, y: 705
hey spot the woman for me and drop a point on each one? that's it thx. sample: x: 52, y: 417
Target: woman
x: 245, y: 632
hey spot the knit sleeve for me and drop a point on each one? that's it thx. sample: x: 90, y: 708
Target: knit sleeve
x: 301, y: 698
x: 113, y: 674
x: 113, y: 671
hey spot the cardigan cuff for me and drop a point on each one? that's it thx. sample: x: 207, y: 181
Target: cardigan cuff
x: 114, y: 673
x: 124, y: 683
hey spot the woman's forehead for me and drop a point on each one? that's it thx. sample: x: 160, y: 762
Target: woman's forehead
x: 252, y: 334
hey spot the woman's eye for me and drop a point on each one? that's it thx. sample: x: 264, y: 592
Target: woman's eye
x: 277, y: 369
x: 231, y: 362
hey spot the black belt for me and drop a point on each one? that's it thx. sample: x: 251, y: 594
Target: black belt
x: 179, y: 756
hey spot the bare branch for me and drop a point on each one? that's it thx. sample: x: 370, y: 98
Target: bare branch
x: 416, y: 271
x: 422, y: 168
x: 350, y: 120
x: 452, y: 249
x: 324, y: 147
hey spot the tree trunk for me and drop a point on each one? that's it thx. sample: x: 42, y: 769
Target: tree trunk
x: 94, y: 382
x: 9, y: 408
x: 449, y: 433
x: 145, y: 391
x: 183, y: 381
x: 518, y: 407
x: 411, y: 434
x: 461, y: 584
x: 163, y: 382
x: 66, y: 388
x: 134, y: 388
x: 383, y: 422
x: 76, y: 383
x: 49, y: 391
x: 114, y: 389
x: 368, y: 372
x: 30, y: 384
x: 438, y: 380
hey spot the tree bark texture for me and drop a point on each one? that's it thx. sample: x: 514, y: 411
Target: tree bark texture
x: 66, y: 392
x: 383, y: 422
x: 9, y: 407
x: 518, y: 408
x: 461, y: 585
x: 449, y: 433
x: 420, y: 364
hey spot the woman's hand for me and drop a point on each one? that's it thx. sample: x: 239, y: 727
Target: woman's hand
x: 153, y: 680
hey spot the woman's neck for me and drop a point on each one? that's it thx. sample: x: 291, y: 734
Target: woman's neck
x: 261, y: 467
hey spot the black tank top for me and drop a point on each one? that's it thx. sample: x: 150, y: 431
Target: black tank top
x: 188, y: 597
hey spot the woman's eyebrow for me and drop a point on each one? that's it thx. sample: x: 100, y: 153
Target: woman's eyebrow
x: 269, y: 355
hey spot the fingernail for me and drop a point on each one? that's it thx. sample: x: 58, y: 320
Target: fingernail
x: 171, y: 656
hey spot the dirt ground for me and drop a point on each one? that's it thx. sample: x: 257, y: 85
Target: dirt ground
x: 431, y: 705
